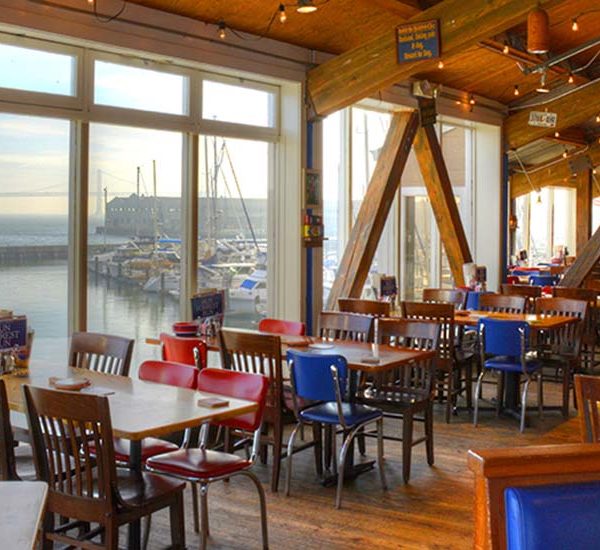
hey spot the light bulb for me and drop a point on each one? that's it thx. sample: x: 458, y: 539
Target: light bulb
x: 539, y: 198
x: 472, y: 100
x: 598, y: 119
x: 516, y: 92
x: 440, y: 64
x: 282, y: 14
x: 222, y: 34
x: 565, y: 154
x: 574, y: 24
x: 571, y: 78
x: 505, y: 49
x: 556, y: 134
x: 594, y: 171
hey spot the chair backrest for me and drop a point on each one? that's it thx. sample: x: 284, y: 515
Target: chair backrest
x: 542, y: 280
x: 366, y: 307
x: 503, y: 337
x: 238, y: 385
x: 408, y: 333
x: 568, y: 337
x: 279, y: 326
x: 254, y: 353
x: 500, y: 303
x: 443, y: 315
x: 587, y: 390
x: 312, y: 378
x: 101, y: 352
x: 561, y: 306
x: 588, y: 295
x: 180, y: 349
x: 521, y: 290
x: 76, y: 478
x: 169, y: 373
x: 340, y: 325
x: 454, y: 296
x: 8, y: 469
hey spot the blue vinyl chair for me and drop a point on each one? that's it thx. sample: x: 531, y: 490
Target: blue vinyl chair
x: 324, y: 379
x: 507, y: 343
x: 542, y: 280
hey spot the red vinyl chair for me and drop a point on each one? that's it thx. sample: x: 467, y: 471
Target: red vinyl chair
x: 512, y: 280
x: 278, y: 326
x: 204, y: 466
x: 180, y: 349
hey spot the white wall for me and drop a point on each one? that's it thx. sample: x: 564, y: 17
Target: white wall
x: 487, y: 190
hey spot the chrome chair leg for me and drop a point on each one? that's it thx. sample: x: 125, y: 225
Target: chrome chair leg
x: 195, y: 509
x: 263, y: 506
x: 290, y: 449
x: 524, y: 404
x: 146, y: 536
x: 540, y: 396
x: 380, y: 453
x: 204, y: 530
x: 477, y: 390
x: 342, y: 463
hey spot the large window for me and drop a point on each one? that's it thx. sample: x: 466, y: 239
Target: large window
x: 34, y: 190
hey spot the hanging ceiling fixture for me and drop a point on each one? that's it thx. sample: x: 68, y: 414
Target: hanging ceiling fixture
x: 306, y: 6
x: 542, y: 88
x: 538, y: 31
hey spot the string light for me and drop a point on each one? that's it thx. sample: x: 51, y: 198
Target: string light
x: 542, y: 88
x: 472, y: 100
x: 556, y: 134
x: 440, y: 64
x: 505, y: 49
x: 221, y: 32
x: 598, y: 119
x: 516, y: 92
x: 539, y: 198
x: 574, y: 24
x: 565, y: 154
x: 282, y: 14
x: 571, y: 78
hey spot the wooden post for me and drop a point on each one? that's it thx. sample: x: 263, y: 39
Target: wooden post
x: 366, y: 232
x: 439, y: 188
x: 583, y: 216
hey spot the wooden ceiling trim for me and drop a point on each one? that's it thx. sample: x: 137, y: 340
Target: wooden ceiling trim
x: 572, y: 109
x: 363, y: 71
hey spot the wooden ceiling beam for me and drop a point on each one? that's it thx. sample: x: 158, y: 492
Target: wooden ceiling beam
x: 374, y: 209
x: 404, y: 8
x: 572, y: 109
x: 570, y: 136
x: 556, y: 175
x: 365, y: 70
x: 441, y: 196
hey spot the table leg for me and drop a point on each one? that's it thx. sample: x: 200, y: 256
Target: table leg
x: 135, y: 463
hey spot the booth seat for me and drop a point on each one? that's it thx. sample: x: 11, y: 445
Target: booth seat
x: 553, y: 517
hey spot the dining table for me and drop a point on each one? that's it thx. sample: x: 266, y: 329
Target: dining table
x: 24, y: 505
x: 138, y: 409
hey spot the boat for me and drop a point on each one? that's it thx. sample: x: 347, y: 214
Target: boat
x: 251, y: 295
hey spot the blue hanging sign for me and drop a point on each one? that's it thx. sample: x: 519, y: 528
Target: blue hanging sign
x: 418, y: 41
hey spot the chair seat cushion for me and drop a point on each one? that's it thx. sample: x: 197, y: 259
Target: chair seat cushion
x: 553, y: 517
x: 510, y: 364
x: 327, y: 413
x: 136, y: 489
x: 150, y: 447
x: 197, y: 464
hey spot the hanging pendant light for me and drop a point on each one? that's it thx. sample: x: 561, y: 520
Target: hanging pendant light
x: 306, y: 6
x: 538, y: 31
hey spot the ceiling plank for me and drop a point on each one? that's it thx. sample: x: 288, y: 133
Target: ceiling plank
x: 374, y: 209
x: 572, y: 109
x: 403, y: 8
x: 371, y: 67
x: 570, y: 136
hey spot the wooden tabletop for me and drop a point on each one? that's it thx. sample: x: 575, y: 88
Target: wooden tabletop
x: 537, y: 322
x: 138, y: 409
x: 24, y: 503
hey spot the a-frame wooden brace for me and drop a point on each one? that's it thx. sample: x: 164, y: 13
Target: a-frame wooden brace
x: 584, y: 264
x: 368, y: 227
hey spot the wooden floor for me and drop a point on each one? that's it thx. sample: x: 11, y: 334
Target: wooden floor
x: 432, y: 511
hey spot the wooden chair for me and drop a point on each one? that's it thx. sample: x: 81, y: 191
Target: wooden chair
x: 528, y: 291
x: 407, y: 391
x: 338, y: 325
x: 8, y: 469
x: 560, y: 349
x: 101, y: 353
x: 91, y: 490
x: 260, y: 354
x: 279, y: 326
x: 501, y: 303
x: 366, y: 307
x: 587, y: 389
x: 590, y: 334
x: 454, y: 370
x: 454, y: 296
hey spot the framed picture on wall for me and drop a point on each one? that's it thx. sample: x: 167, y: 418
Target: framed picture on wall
x: 312, y: 188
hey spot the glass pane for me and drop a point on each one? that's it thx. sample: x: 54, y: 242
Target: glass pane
x: 143, y: 89
x: 34, y: 184
x: 455, y: 142
x: 37, y: 71
x: 229, y: 103
x: 595, y: 215
x: 232, y: 225
x: 418, y: 247
x: 134, y: 233
x: 539, y: 249
x: 521, y: 212
x: 333, y: 198
x: 564, y: 214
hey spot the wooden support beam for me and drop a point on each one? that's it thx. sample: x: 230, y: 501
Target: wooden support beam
x: 364, y: 70
x: 585, y: 262
x: 403, y: 8
x: 583, y: 214
x: 441, y: 196
x: 570, y: 136
x: 558, y: 174
x: 572, y: 109
x: 375, y: 207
